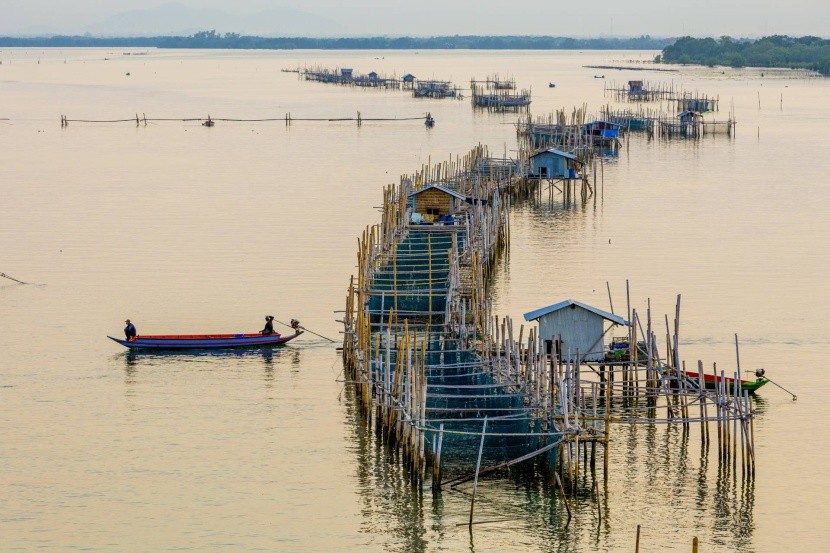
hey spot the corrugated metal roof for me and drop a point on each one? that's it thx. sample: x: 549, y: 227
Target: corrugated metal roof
x: 554, y: 151
x: 600, y: 122
x: 452, y: 193
x: 533, y: 315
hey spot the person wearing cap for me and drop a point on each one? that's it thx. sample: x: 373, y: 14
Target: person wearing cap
x: 269, y: 326
x: 130, y: 331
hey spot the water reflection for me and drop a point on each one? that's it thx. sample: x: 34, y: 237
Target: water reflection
x: 393, y: 504
x: 653, y: 476
x: 136, y: 359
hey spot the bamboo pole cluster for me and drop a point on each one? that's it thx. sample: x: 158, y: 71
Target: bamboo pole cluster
x: 414, y: 269
x: 418, y: 317
x: 499, y: 95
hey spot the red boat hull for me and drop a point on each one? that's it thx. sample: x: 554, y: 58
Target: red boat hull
x: 710, y: 381
x: 204, y: 341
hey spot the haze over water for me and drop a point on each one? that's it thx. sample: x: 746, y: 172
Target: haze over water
x: 186, y: 229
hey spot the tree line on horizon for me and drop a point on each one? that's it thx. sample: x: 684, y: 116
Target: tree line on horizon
x: 807, y: 52
x: 213, y: 39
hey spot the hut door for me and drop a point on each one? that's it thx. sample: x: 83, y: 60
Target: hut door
x: 555, y: 346
x: 543, y: 173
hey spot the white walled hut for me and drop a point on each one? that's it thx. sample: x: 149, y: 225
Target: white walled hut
x: 579, y: 326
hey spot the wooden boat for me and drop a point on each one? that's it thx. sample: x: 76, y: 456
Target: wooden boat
x: 205, y: 341
x: 709, y: 381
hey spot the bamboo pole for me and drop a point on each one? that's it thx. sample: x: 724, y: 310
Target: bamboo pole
x: 478, y: 467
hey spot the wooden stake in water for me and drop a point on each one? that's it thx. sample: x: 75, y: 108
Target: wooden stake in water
x: 637, y: 543
x: 4, y: 275
x: 478, y: 468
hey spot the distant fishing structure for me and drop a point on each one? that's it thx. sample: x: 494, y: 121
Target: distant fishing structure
x: 345, y: 76
x: 685, y: 124
x: 577, y: 132
x: 498, y: 94
x: 209, y: 121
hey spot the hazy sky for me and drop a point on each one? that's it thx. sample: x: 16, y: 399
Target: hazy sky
x: 429, y: 17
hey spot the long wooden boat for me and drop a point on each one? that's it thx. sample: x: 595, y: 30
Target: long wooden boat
x: 205, y: 341
x: 710, y: 382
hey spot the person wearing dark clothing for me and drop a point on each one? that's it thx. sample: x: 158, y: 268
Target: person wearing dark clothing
x: 269, y: 326
x: 130, y: 331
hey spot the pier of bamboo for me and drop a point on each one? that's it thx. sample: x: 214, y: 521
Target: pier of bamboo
x: 461, y: 392
x: 347, y: 77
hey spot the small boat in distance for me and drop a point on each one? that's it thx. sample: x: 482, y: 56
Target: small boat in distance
x: 551, y: 85
x: 205, y: 341
x: 711, y: 382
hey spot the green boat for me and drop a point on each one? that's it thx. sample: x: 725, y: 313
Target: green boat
x: 710, y: 381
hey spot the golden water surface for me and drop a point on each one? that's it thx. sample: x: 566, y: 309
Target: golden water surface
x: 187, y: 229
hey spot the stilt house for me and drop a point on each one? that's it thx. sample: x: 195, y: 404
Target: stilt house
x: 571, y: 327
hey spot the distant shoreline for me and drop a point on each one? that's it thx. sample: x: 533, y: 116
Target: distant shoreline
x: 630, y: 68
x: 213, y: 40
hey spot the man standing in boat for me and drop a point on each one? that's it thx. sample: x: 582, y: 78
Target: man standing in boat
x: 130, y: 331
x: 269, y: 325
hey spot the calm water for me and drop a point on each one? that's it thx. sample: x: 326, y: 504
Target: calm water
x: 188, y: 229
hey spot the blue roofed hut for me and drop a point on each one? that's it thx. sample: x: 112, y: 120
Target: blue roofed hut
x: 602, y: 133
x: 570, y: 327
x: 554, y: 164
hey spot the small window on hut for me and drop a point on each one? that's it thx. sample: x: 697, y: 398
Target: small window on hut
x: 433, y: 211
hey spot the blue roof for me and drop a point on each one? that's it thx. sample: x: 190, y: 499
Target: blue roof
x: 556, y: 152
x: 533, y: 315
x: 602, y: 122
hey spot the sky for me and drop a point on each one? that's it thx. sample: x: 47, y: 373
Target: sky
x: 737, y: 18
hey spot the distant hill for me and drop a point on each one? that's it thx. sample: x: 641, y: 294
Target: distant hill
x: 178, y: 19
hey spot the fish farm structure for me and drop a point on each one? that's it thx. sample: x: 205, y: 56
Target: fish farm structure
x: 435, y: 89
x: 640, y: 120
x: 643, y: 91
x: 640, y: 91
x: 495, y: 82
x: 692, y: 124
x: 693, y: 101
x: 686, y: 124
x: 346, y: 76
x: 460, y: 392
x: 577, y: 132
x: 498, y: 95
